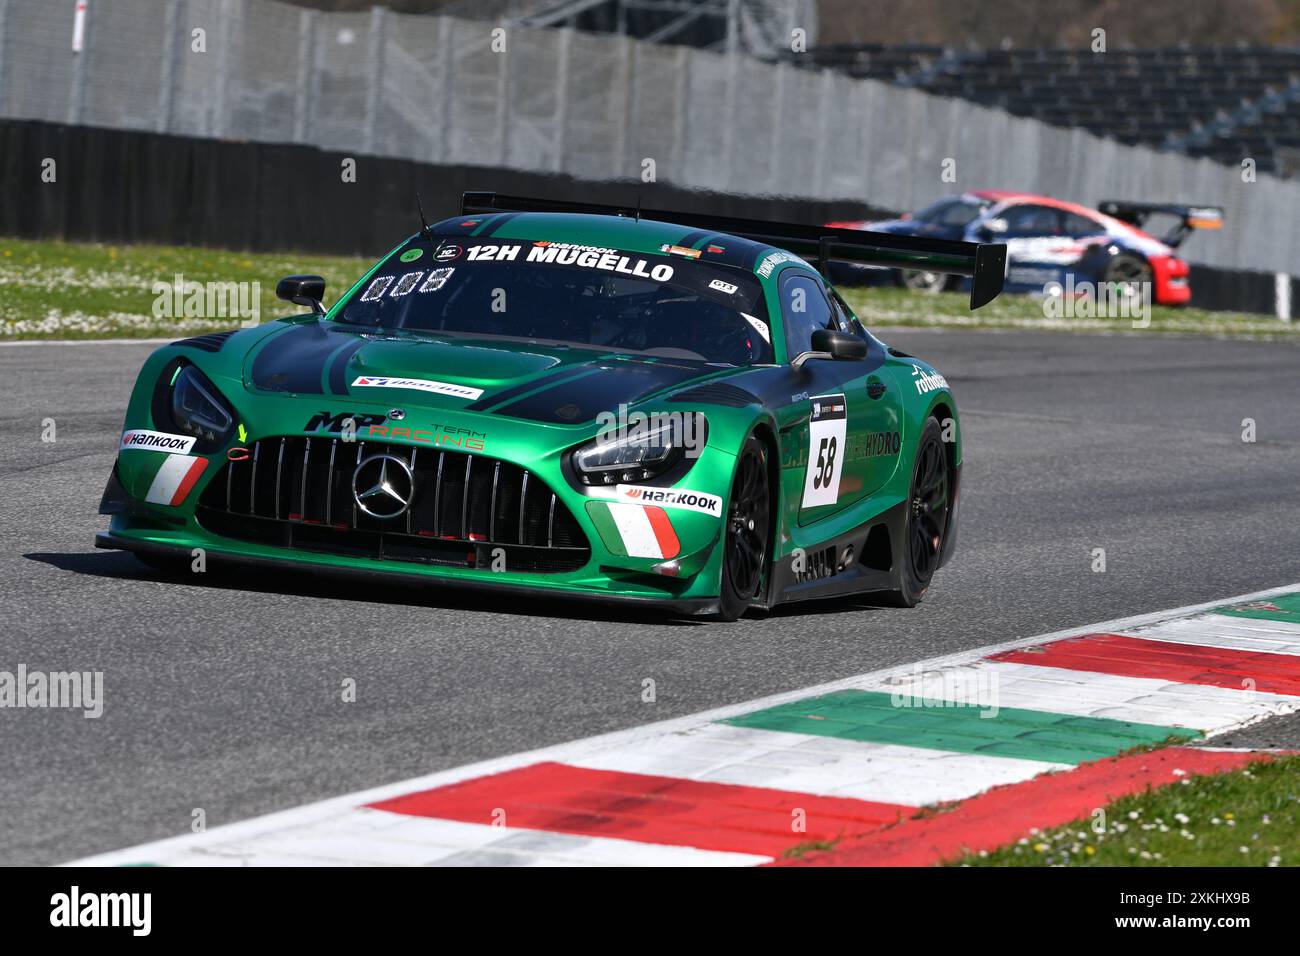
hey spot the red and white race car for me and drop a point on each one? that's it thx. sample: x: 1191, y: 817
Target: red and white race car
x: 1053, y: 241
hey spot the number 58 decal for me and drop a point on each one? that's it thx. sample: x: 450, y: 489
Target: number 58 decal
x: 826, y: 430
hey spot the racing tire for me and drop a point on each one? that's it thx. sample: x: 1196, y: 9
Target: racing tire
x: 1130, y: 271
x: 746, y: 543
x: 918, y: 280
x: 929, y: 508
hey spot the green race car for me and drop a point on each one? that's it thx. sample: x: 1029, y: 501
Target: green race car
x: 565, y: 400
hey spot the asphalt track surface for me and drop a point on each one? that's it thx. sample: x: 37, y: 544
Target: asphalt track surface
x: 224, y: 694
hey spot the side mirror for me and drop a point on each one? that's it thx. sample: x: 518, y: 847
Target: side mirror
x: 302, y: 290
x: 839, y: 345
x: 832, y: 344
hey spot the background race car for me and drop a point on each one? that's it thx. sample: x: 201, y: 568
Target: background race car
x: 1052, y: 241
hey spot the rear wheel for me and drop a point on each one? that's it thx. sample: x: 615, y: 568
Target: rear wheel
x: 919, y: 280
x: 746, y: 545
x: 928, y: 507
x: 1131, y: 272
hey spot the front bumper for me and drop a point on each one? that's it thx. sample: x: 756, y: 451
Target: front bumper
x: 144, y: 523
x: 172, y: 502
x: 113, y: 541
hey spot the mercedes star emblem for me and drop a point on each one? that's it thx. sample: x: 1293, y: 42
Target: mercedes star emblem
x: 383, y: 486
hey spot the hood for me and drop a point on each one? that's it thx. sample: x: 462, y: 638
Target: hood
x: 544, y: 383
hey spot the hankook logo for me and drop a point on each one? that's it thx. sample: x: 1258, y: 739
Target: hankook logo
x: 383, y: 486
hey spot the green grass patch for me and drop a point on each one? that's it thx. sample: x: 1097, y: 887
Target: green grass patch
x: 899, y: 307
x: 1247, y: 817
x: 73, y: 290
x: 812, y: 846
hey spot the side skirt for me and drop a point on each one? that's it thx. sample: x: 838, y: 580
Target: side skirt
x: 874, y: 555
x: 877, y: 557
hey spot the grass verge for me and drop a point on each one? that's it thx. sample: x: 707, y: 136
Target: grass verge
x: 1247, y: 817
x: 73, y: 290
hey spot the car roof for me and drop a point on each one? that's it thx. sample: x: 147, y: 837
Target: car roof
x: 1114, y: 225
x: 616, y: 232
x: 1005, y: 195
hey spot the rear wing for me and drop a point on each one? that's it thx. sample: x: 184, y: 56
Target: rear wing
x: 1189, y: 217
x: 985, y: 263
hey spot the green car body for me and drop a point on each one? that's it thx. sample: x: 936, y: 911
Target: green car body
x: 320, y: 403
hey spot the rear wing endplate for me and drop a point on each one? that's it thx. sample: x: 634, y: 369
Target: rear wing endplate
x: 985, y: 263
x: 1189, y: 217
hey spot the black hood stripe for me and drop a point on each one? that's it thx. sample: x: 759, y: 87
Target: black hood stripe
x: 295, y: 361
x: 581, y: 400
x: 339, y: 367
x: 497, y: 398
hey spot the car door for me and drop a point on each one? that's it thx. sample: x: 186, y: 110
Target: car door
x: 847, y: 439
x: 1037, y: 245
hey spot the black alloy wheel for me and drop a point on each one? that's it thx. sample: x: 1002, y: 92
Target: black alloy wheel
x: 746, y: 546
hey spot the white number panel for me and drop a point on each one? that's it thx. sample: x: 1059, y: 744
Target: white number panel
x: 826, y: 431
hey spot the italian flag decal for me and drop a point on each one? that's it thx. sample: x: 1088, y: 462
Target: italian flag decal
x: 638, y: 531
x: 174, y: 480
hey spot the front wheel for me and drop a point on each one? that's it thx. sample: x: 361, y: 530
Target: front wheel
x: 746, y: 545
x: 928, y: 506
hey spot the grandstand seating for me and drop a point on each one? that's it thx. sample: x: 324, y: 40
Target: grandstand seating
x: 1225, y: 103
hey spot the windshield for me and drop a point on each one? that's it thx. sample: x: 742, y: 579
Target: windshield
x: 950, y: 212
x: 669, y: 305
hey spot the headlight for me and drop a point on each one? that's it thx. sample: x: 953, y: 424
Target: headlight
x: 197, y: 407
x: 640, y: 450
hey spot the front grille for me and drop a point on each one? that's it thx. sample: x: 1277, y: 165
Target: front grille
x: 466, y: 510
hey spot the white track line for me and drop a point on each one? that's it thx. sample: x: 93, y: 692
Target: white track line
x: 622, y: 740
